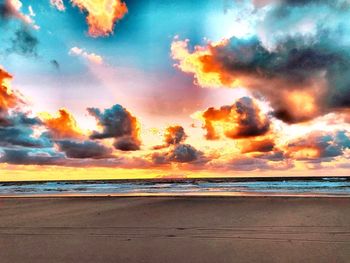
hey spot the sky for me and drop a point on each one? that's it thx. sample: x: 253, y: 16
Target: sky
x: 151, y: 89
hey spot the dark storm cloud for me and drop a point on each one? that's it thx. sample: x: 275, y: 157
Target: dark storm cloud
x: 118, y: 123
x: 294, y: 66
x: 293, y: 60
x: 299, y: 59
x: 84, y: 149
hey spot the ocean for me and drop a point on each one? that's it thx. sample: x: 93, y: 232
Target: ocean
x: 291, y: 186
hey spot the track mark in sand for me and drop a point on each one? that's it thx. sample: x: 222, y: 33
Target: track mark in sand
x: 319, y: 234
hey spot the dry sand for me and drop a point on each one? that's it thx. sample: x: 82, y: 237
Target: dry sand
x: 168, y: 229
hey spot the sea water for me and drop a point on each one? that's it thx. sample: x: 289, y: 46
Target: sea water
x: 337, y: 186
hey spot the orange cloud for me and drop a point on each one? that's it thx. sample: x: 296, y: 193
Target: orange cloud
x: 174, y: 135
x: 102, y: 15
x: 264, y: 145
x: 195, y: 63
x: 298, y: 105
x: 241, y: 120
x: 8, y: 98
x: 4, y: 75
x: 63, y: 125
x: 235, y: 62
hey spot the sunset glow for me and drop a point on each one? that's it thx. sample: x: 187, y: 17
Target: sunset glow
x: 119, y: 89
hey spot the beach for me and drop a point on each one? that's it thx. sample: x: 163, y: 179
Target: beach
x: 175, y: 229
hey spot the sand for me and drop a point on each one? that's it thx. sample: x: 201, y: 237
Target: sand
x: 168, y: 229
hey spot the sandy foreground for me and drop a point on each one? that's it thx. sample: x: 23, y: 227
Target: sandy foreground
x: 175, y: 229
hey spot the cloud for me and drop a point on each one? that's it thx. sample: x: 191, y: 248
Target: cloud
x: 275, y: 155
x: 264, y: 145
x: 118, y: 123
x: 18, y: 130
x: 318, y: 146
x: 91, y: 57
x: 179, y: 153
x: 16, y: 127
x: 240, y: 120
x: 55, y: 64
x: 85, y: 149
x: 183, y: 153
x: 58, y: 4
x: 5, y: 10
x: 8, y: 98
x: 247, y: 164
x: 24, y: 43
x: 57, y: 140
x: 298, y: 59
x: 62, y: 126
x: 12, y: 9
x: 174, y: 135
x: 101, y: 15
x: 264, y: 162
x: 4, y: 75
x: 22, y: 136
x: 51, y: 140
x: 159, y: 158
x: 281, y: 77
x: 31, y: 11
x: 31, y: 156
x: 126, y: 143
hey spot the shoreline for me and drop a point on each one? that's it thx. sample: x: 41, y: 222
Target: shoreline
x: 184, y: 179
x: 301, y: 187
x: 184, y: 195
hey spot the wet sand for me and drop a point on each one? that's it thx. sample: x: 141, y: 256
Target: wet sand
x: 175, y: 229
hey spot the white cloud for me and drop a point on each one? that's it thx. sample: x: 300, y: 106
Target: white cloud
x: 91, y: 57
